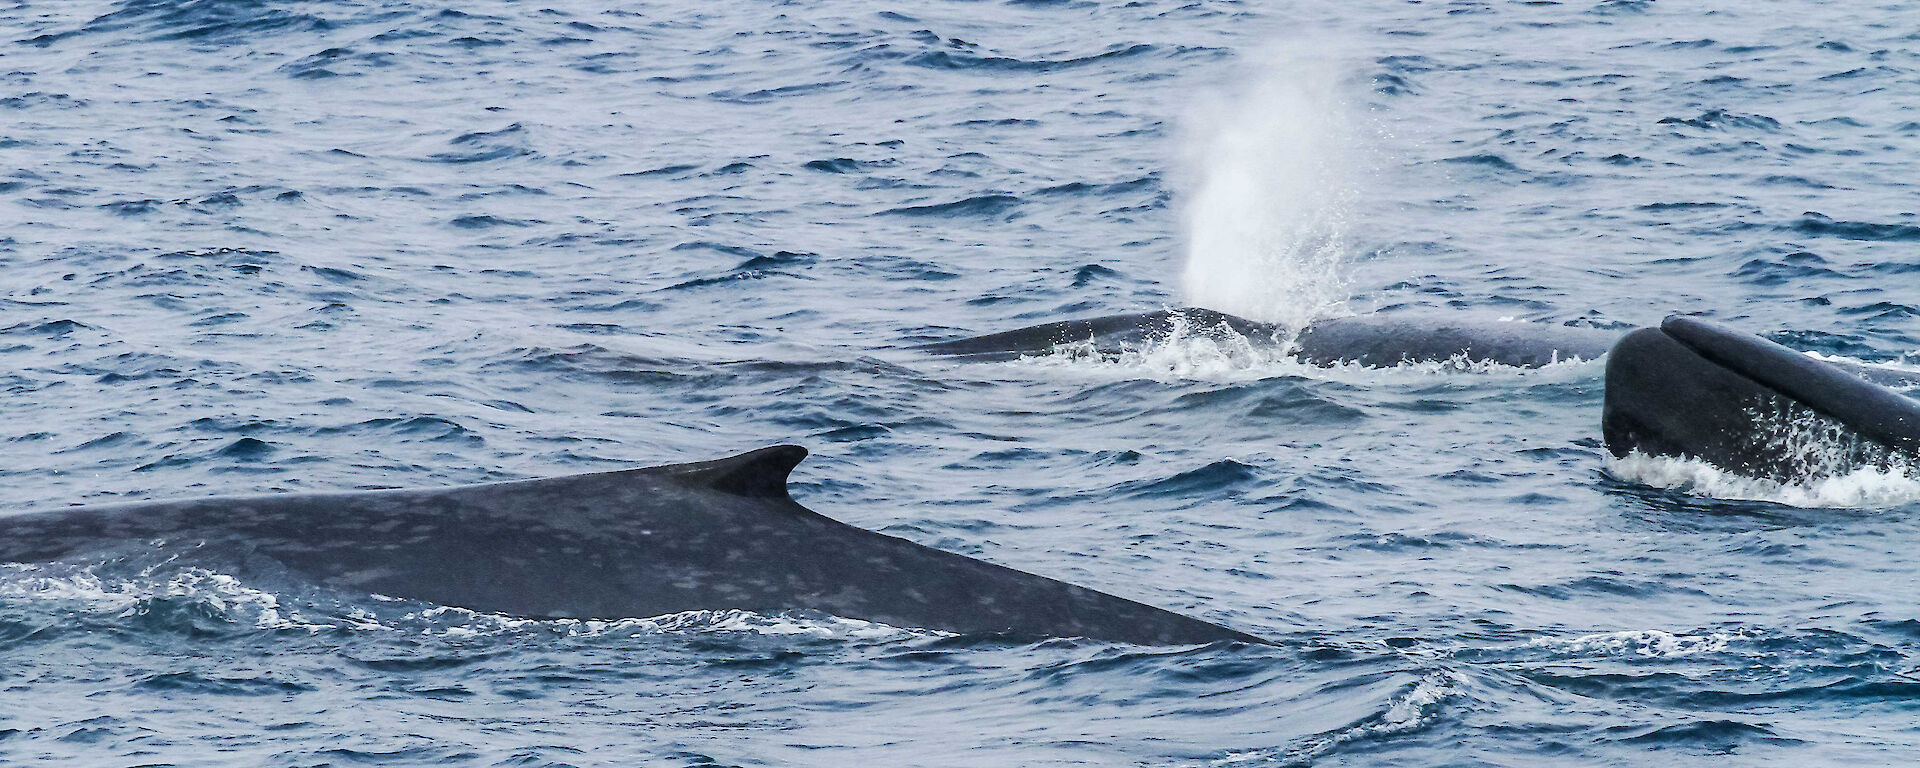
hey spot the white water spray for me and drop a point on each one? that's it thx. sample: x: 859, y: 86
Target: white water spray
x: 1270, y: 186
x: 1862, y: 487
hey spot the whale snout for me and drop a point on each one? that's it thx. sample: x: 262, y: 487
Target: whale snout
x: 1693, y: 389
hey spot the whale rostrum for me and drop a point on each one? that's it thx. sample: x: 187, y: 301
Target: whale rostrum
x: 1693, y: 389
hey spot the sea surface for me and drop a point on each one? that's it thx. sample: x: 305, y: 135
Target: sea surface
x: 255, y: 246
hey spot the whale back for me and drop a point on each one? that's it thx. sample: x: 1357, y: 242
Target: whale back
x: 1382, y: 341
x: 721, y: 534
x: 1370, y: 340
x: 1109, y: 334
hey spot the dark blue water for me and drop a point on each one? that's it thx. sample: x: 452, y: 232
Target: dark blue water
x: 259, y: 245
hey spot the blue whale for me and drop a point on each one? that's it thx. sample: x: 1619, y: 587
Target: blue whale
x: 1373, y: 340
x: 719, y: 534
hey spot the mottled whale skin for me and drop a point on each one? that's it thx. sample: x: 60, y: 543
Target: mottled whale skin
x: 720, y: 534
x: 1374, y: 340
x: 1694, y: 389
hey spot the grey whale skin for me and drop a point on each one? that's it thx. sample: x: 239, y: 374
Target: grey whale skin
x: 720, y: 534
x: 1372, y: 340
x: 1694, y: 389
x: 1688, y: 388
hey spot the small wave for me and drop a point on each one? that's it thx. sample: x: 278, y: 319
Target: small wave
x: 1212, y: 478
x: 597, y: 363
x: 846, y: 165
x: 329, y: 64
x: 1487, y: 160
x: 208, y: 21
x: 1881, y: 310
x: 1789, y: 269
x: 983, y: 205
x: 1149, y: 182
x: 193, y: 683
x: 1000, y: 123
x: 1088, y: 274
x: 1402, y: 73
x: 132, y: 207
x: 246, y: 449
x: 484, y: 146
x: 1410, y: 710
x: 1866, y: 486
x: 755, y: 267
x: 433, y: 429
x: 41, y: 99
x: 1813, y: 223
x: 761, y: 95
x: 1722, y: 736
x: 1720, y: 120
x: 1846, y: 349
x: 486, y: 221
x: 1680, y: 206
x: 51, y: 329
x: 665, y: 170
x: 964, y: 61
x: 1615, y: 7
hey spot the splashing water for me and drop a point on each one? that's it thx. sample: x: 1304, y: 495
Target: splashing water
x: 1641, y: 643
x: 228, y: 600
x: 1865, y: 486
x: 1269, y: 193
x: 460, y: 622
x: 1826, y: 465
x: 84, y: 591
x: 1188, y: 350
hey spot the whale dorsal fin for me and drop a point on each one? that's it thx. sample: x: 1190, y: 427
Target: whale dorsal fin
x: 760, y: 474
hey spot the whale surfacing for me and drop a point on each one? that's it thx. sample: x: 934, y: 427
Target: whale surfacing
x: 1373, y: 340
x: 644, y: 542
x: 1694, y: 389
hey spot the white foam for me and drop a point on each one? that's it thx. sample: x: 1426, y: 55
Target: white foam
x: 1415, y: 708
x: 1642, y: 643
x: 1185, y: 352
x: 447, y: 621
x: 1267, y: 194
x: 1863, y: 487
x: 84, y: 590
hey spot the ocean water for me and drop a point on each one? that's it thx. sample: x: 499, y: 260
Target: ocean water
x: 295, y: 245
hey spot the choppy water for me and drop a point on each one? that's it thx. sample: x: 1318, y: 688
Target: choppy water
x: 252, y: 246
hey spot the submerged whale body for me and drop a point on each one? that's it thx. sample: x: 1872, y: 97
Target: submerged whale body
x: 720, y: 534
x: 1693, y: 389
x: 1368, y: 340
